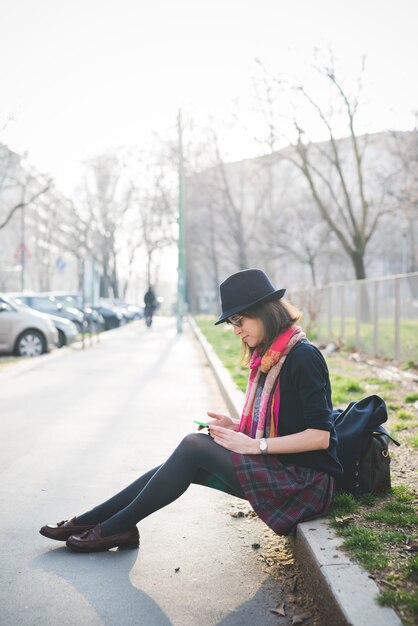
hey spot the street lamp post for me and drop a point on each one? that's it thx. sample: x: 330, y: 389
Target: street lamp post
x: 181, y: 284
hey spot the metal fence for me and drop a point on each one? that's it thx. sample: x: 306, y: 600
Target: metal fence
x: 378, y: 316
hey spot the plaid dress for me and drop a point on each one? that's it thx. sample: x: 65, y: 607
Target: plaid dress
x: 282, y: 494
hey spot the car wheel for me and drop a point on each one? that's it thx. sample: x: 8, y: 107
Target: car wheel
x: 62, y: 341
x: 30, y: 343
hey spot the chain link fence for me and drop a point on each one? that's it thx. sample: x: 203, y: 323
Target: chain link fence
x: 377, y: 316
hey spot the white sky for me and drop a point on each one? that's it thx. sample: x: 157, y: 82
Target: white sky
x: 84, y: 75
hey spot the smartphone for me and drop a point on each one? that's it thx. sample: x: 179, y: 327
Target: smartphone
x: 204, y: 424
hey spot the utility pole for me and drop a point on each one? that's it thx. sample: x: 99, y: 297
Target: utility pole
x: 181, y: 284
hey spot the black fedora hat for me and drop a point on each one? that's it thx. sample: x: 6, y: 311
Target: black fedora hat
x: 244, y: 290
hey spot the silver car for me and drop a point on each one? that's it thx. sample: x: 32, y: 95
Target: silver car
x: 25, y: 333
x: 67, y: 331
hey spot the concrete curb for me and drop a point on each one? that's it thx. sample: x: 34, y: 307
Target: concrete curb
x: 345, y: 593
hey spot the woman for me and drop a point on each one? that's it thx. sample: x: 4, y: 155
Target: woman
x: 281, y: 454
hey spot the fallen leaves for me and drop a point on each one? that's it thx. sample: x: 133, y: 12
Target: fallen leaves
x: 299, y: 619
x: 346, y: 519
x: 279, y: 610
x: 296, y: 603
x: 413, y: 547
x: 238, y: 514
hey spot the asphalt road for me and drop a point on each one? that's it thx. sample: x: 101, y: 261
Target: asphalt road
x: 75, y: 428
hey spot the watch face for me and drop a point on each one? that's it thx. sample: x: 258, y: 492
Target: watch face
x: 263, y: 444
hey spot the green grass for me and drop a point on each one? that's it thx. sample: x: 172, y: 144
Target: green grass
x: 344, y: 389
x: 391, y: 536
x: 400, y: 599
x: 392, y: 407
x: 368, y: 499
x: 406, y: 598
x: 411, y: 398
x: 413, y: 441
x: 366, y: 545
x: 380, y: 382
x: 394, y: 513
x: 406, y: 421
x: 343, y: 504
x: 379, y: 548
x: 227, y: 346
x: 400, y: 426
x: 386, y: 330
x: 404, y: 415
x: 403, y: 493
x: 411, y: 568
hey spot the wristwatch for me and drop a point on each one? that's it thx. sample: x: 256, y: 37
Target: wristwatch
x: 263, y: 446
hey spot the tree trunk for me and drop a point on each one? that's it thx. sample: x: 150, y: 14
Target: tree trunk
x: 358, y: 262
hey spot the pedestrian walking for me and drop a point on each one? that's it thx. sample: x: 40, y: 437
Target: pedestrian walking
x: 150, y: 302
x: 281, y: 454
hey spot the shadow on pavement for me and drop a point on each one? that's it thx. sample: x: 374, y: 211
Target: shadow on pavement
x: 257, y: 609
x: 103, y: 580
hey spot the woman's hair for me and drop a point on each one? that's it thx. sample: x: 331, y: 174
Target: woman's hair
x: 276, y: 316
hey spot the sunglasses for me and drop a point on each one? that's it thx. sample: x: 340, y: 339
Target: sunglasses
x: 235, y: 320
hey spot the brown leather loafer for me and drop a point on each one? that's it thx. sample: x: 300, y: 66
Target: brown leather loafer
x: 92, y: 540
x: 63, y: 530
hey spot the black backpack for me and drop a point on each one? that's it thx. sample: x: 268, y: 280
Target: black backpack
x: 362, y: 447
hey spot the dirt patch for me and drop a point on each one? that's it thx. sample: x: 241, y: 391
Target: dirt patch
x: 276, y: 555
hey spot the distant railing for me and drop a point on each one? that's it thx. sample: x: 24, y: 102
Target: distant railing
x: 378, y: 316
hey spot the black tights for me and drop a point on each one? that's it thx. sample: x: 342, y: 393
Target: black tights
x: 198, y: 459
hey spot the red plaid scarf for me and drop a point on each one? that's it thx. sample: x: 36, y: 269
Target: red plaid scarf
x: 271, y: 364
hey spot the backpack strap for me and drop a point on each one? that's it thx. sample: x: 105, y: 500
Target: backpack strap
x: 382, y: 431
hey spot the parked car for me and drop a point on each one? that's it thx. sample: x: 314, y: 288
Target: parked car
x: 67, y: 330
x: 129, y: 312
x: 112, y: 317
x: 49, y: 304
x: 25, y: 333
x: 94, y: 321
x: 136, y: 311
x: 73, y: 299
x: 115, y: 305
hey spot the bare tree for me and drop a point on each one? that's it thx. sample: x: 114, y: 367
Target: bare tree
x: 295, y: 237
x: 156, y: 217
x: 20, y: 185
x: 207, y: 242
x: 404, y: 146
x: 242, y: 201
x: 108, y: 194
x: 334, y: 171
x: 22, y: 189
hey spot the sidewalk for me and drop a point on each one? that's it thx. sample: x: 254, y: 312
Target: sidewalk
x: 76, y: 428
x: 346, y: 595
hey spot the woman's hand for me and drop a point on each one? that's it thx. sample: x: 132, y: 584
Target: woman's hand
x: 231, y: 440
x: 222, y: 420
